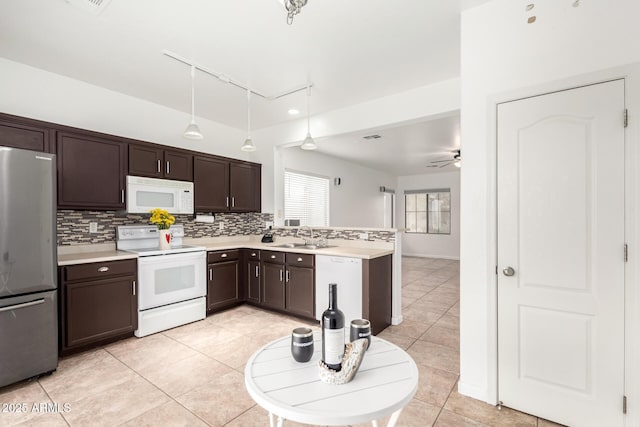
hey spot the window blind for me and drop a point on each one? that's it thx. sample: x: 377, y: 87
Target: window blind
x: 306, y: 197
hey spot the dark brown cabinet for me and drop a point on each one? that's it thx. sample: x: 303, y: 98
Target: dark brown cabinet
x: 288, y: 282
x: 98, y: 303
x: 27, y: 134
x: 226, y: 186
x: 223, y: 285
x: 252, y: 276
x: 377, y: 292
x: 155, y: 162
x: 91, y: 171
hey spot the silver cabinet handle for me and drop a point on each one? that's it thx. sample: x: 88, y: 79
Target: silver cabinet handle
x: 210, y: 274
x: 122, y: 196
x: 23, y: 305
x: 281, y: 275
x: 299, y: 259
x: 227, y: 201
x: 233, y: 202
x: 273, y: 257
x: 257, y: 271
x: 159, y: 166
x: 168, y: 166
x: 133, y: 287
x: 253, y: 254
x: 103, y: 269
x: 287, y: 276
x: 509, y: 271
x: 223, y: 256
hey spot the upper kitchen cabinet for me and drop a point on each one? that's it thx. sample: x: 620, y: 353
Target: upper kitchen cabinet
x: 211, y: 184
x: 91, y: 171
x: 154, y: 162
x: 17, y: 132
x: 226, y: 186
x: 244, y: 187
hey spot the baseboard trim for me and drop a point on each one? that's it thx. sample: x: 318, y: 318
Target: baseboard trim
x: 431, y: 256
x: 474, y: 392
x: 396, y: 320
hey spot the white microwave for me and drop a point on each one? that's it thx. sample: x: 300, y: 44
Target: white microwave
x: 144, y: 194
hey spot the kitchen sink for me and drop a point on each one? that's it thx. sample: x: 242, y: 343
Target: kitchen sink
x: 302, y: 246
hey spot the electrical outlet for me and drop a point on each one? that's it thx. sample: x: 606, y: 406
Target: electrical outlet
x: 363, y: 236
x: 93, y: 227
x: 221, y: 225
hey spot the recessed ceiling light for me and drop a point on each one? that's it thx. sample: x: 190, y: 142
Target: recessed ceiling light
x: 293, y: 112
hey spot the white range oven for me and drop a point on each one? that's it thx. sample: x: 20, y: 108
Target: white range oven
x: 172, y: 283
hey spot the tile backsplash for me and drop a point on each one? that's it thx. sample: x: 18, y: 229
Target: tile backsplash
x: 338, y: 233
x: 73, y: 226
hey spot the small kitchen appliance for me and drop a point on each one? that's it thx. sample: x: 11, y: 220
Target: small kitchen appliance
x: 172, y: 283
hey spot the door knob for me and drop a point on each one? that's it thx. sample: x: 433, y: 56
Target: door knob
x: 509, y: 271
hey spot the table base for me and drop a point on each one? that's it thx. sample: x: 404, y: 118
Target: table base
x: 276, y: 421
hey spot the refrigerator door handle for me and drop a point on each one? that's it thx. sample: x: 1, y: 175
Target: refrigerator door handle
x: 22, y: 305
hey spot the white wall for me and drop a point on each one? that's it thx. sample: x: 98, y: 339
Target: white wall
x: 504, y: 58
x: 357, y: 202
x: 431, y: 245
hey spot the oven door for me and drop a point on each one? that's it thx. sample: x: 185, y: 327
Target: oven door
x: 166, y: 279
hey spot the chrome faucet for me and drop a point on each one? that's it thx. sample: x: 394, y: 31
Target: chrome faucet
x: 306, y: 242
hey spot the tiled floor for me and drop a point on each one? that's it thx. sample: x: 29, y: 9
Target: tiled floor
x: 193, y: 375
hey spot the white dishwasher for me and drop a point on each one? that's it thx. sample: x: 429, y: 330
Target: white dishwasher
x: 347, y: 274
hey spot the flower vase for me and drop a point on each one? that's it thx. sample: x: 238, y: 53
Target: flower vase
x: 165, y: 239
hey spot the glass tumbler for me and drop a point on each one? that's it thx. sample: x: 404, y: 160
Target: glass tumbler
x: 361, y: 328
x: 302, y: 344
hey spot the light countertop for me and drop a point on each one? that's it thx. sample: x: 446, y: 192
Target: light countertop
x: 83, y: 254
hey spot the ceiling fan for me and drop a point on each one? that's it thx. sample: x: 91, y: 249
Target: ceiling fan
x: 456, y: 160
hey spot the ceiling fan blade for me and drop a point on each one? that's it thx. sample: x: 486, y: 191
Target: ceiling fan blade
x: 446, y: 164
x: 440, y: 161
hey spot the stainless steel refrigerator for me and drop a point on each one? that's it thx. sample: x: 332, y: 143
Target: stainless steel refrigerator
x: 28, y: 263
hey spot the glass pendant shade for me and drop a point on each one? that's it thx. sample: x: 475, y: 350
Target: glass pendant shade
x: 248, y: 145
x: 192, y: 131
x: 309, y: 143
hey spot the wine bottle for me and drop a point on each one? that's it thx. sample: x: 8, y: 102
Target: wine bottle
x: 333, y: 331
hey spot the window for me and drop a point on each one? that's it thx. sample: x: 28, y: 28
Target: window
x: 428, y: 211
x: 306, y: 197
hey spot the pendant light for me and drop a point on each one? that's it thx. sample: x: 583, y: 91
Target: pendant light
x: 309, y: 143
x: 192, y: 131
x: 248, y: 143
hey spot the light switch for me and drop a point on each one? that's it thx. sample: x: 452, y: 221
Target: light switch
x: 93, y: 227
x: 221, y: 225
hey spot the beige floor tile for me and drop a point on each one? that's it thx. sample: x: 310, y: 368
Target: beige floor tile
x: 415, y: 414
x: 449, y: 321
x: 236, y: 352
x: 257, y: 416
x: 84, y: 375
x: 419, y: 287
x: 25, y: 403
x: 412, y: 293
x: 455, y: 310
x: 435, y: 355
x: 487, y: 414
x: 176, y: 378
x: 198, y: 339
x: 116, y: 405
x: 434, y: 385
x: 419, y: 314
x: 399, y: 340
x: 440, y: 335
x: 219, y: 401
x: 406, y: 301
x: 449, y: 419
x: 409, y: 328
x: 170, y: 414
x: 152, y: 350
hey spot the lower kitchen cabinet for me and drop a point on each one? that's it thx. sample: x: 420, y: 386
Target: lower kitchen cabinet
x: 223, y: 286
x: 98, y: 303
x: 300, y: 291
x: 273, y: 295
x: 253, y: 282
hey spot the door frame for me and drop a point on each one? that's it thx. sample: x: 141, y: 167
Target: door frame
x: 631, y: 76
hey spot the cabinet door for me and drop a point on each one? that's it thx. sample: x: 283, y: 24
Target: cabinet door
x: 91, y: 172
x: 273, y: 285
x: 245, y: 187
x: 99, y: 310
x: 253, y: 281
x: 300, y: 291
x: 145, y: 160
x: 211, y: 184
x: 178, y: 165
x: 222, y: 287
x: 25, y: 136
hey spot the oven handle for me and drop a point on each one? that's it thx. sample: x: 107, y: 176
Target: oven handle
x: 162, y: 259
x: 23, y: 305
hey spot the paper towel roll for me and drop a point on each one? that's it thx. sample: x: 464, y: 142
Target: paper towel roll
x: 204, y: 218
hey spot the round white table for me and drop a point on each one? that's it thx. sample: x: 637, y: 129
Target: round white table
x: 386, y: 381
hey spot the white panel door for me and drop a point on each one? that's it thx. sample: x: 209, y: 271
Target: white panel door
x: 560, y: 255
